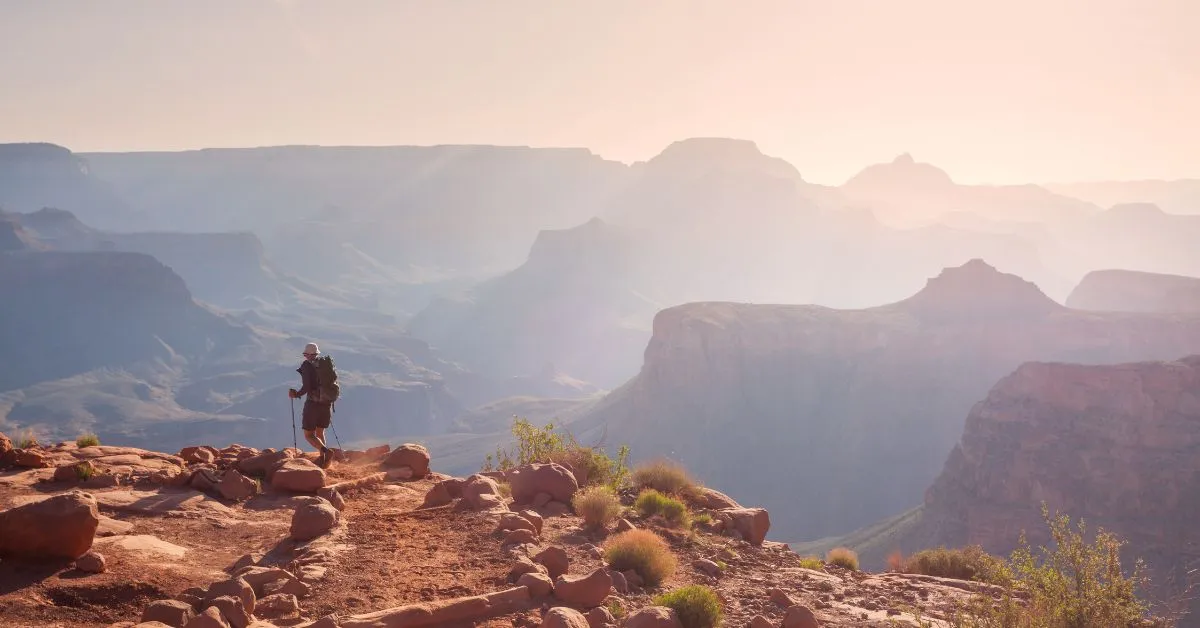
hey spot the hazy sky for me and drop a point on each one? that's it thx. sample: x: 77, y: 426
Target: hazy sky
x: 992, y: 91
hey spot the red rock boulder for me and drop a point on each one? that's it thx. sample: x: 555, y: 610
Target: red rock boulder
x: 62, y: 526
x: 410, y: 455
x: 553, y: 479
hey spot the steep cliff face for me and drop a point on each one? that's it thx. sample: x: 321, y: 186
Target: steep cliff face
x: 835, y: 419
x: 68, y: 313
x: 228, y: 270
x: 1134, y: 291
x: 906, y: 191
x: 1114, y: 444
x: 37, y: 175
x: 569, y: 309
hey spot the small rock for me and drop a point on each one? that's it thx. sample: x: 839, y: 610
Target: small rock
x: 313, y: 519
x: 413, y: 456
x: 539, y: 583
x: 236, y: 487
x: 653, y: 617
x: 633, y: 578
x: 599, y: 617
x: 751, y: 523
x: 524, y: 566
x: 439, y: 495
x: 555, y: 559
x: 210, y: 618
x: 800, y: 616
x: 232, y: 610
x: 298, y: 475
x: 520, y: 537
x: 402, y: 473
x: 529, y: 480
x: 91, y: 562
x: 278, y: 606
x: 533, y: 518
x: 514, y: 521
x: 562, y: 617
x: 760, y: 621
x: 619, y: 583
x: 624, y: 525
x: 584, y: 591
x: 781, y: 597
x: 234, y: 587
x: 169, y: 612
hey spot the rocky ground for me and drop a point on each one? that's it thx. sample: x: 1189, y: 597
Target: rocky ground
x: 106, y: 536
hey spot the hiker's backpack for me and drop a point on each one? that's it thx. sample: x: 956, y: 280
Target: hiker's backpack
x: 328, y: 390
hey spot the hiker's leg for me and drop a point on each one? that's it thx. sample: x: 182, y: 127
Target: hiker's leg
x: 318, y: 443
x: 320, y: 438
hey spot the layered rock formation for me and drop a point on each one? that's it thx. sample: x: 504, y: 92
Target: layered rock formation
x: 67, y: 313
x: 1135, y: 291
x: 835, y: 419
x: 37, y: 175
x: 906, y: 191
x: 569, y: 308
x: 1112, y: 444
x: 226, y: 269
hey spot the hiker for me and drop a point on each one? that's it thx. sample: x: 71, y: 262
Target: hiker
x: 316, y: 415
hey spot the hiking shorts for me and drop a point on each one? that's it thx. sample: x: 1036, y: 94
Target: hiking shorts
x: 316, y: 415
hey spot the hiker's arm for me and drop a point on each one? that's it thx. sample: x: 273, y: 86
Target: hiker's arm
x: 306, y: 377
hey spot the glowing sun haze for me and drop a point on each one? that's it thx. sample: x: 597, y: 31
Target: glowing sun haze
x: 1013, y: 91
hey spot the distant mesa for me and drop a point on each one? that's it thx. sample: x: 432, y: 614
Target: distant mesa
x: 902, y: 172
x: 874, y: 397
x: 977, y: 290
x: 1118, y: 290
x: 704, y: 153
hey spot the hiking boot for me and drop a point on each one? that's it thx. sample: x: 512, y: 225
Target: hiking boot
x: 326, y: 458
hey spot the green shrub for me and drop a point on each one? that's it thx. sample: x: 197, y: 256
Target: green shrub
x: 87, y: 440
x: 663, y: 476
x: 812, y: 562
x: 642, y: 551
x: 651, y: 502
x: 590, y: 465
x: 968, y: 563
x: 842, y: 557
x: 28, y: 440
x: 598, y: 505
x: 696, y: 605
x: 1073, y: 585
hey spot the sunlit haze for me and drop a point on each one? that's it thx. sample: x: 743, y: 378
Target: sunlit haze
x: 1008, y: 92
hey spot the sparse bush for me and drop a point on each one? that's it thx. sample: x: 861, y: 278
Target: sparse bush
x: 28, y: 440
x: 696, y: 605
x: 663, y: 476
x: 642, y: 551
x: 598, y: 505
x: 1074, y: 585
x: 87, y: 440
x: 591, y: 465
x: 968, y: 563
x: 842, y: 557
x: 651, y: 502
x: 812, y: 562
x: 85, y: 471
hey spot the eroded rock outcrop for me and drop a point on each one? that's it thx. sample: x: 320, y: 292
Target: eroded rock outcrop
x: 1111, y: 444
x: 1134, y: 291
x: 855, y: 410
x: 62, y: 526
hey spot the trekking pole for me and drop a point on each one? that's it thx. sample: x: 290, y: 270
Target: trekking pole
x: 335, y: 437
x: 295, y: 443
